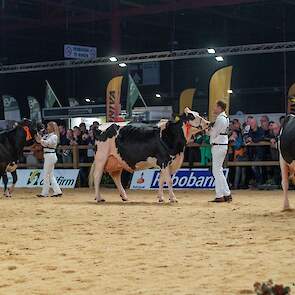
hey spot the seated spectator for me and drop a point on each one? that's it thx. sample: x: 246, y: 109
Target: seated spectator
x: 255, y: 153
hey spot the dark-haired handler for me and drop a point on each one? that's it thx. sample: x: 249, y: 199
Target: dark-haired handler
x: 219, y: 142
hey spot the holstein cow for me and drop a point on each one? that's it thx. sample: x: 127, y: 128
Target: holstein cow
x: 13, y: 141
x: 287, y: 155
x: 141, y: 146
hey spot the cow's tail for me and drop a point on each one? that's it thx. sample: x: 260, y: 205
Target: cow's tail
x: 91, y: 176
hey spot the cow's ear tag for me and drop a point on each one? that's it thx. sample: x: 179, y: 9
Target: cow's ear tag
x: 177, y: 119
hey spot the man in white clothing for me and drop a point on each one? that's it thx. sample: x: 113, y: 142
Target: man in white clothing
x: 219, y: 142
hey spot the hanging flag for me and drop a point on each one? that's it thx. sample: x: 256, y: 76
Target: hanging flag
x: 132, y: 95
x: 50, y: 97
x: 219, y: 87
x: 35, y: 111
x: 73, y: 102
x: 186, y: 99
x: 113, y: 99
x: 11, y: 108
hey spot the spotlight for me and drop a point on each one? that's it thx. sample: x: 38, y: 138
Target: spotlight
x: 219, y: 58
x: 87, y: 99
x: 229, y: 91
x: 211, y: 50
x: 113, y: 59
x: 122, y: 65
x: 158, y: 95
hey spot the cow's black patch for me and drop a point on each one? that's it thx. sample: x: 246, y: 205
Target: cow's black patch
x: 287, y: 139
x: 138, y: 142
x: 108, y: 133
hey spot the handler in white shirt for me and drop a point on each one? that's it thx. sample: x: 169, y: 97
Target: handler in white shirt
x: 219, y: 141
x: 49, y: 143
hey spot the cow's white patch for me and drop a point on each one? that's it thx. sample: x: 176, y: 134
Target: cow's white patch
x: 150, y: 162
x: 105, y: 126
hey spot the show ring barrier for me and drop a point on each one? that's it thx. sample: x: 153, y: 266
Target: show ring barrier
x: 76, y: 164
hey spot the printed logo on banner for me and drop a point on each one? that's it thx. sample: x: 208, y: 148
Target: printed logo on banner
x: 183, y: 179
x: 34, y: 177
x: 66, y: 178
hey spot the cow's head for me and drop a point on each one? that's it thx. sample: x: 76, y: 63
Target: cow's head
x: 31, y: 129
x: 193, y: 123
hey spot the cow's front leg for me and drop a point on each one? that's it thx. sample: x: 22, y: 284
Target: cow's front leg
x: 285, y: 182
x: 168, y: 180
x: 117, y: 180
x: 161, y: 185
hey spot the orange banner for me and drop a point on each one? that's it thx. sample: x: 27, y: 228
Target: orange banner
x: 219, y: 87
x: 113, y: 99
x: 186, y: 99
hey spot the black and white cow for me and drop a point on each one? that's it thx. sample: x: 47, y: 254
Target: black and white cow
x: 13, y: 141
x: 287, y: 155
x: 141, y: 146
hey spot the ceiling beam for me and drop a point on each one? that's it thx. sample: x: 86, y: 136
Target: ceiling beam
x: 95, y: 16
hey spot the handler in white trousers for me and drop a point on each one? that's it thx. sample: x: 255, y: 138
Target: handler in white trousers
x: 219, y: 142
x: 49, y: 143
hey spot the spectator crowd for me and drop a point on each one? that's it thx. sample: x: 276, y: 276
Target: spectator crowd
x: 248, y: 141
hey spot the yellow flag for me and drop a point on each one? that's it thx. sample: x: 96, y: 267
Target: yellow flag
x: 186, y: 99
x: 291, y: 99
x: 113, y: 99
x: 219, y: 87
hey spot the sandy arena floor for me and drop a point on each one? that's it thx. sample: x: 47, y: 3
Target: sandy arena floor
x: 75, y: 246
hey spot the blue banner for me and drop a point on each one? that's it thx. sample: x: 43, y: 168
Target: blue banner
x: 182, y: 179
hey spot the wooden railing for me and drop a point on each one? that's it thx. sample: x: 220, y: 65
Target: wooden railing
x: 76, y: 164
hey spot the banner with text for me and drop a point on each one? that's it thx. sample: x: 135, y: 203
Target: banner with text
x: 219, y: 88
x: 199, y: 178
x: 186, y: 99
x: 113, y: 99
x: 30, y: 178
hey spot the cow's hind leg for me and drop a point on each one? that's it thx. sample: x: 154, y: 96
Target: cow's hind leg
x: 100, y: 162
x: 285, y: 182
x: 161, y: 185
x: 117, y: 180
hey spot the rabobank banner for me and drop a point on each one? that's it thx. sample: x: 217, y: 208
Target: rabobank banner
x: 182, y: 179
x: 30, y: 178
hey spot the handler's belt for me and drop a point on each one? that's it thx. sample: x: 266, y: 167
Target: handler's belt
x: 49, y: 152
x: 223, y: 134
x: 219, y: 144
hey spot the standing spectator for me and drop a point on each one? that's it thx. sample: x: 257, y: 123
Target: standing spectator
x: 237, y: 125
x: 282, y: 120
x: 83, y: 128
x: 91, y: 144
x: 264, y: 121
x: 64, y: 154
x: 255, y: 153
x: 274, y: 152
x: 239, y: 154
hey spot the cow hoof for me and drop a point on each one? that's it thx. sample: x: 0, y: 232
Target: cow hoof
x: 161, y: 201
x: 124, y: 200
x: 173, y: 201
x: 288, y: 209
x: 100, y: 200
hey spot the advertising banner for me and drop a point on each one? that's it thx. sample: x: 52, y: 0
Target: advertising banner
x: 113, y: 99
x: 79, y: 52
x: 183, y: 179
x: 30, y: 178
x: 219, y: 87
x: 186, y: 99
